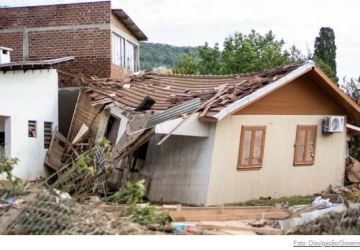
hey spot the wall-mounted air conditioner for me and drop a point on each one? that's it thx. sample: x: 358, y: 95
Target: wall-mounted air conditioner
x: 334, y: 124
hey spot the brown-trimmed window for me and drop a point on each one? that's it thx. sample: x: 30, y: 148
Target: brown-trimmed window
x: 305, y: 145
x: 251, y: 150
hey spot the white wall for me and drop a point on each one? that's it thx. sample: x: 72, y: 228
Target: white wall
x: 179, y: 168
x: 190, y: 127
x: 30, y: 95
x: 277, y: 177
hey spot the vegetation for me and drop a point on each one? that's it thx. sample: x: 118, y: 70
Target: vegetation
x: 291, y: 201
x: 325, y: 52
x: 6, y: 167
x: 353, y: 90
x: 132, y: 194
x: 242, y: 53
x: 147, y: 215
x: 157, y: 54
x: 188, y: 64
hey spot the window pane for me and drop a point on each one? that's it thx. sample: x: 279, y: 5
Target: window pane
x: 310, y: 149
x: 122, y: 51
x: 118, y: 50
x: 245, y: 159
x: 256, y: 159
x: 130, y: 53
x: 300, y: 145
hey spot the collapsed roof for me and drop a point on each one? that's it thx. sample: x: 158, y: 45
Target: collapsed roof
x: 227, y: 93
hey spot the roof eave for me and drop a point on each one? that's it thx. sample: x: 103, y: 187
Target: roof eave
x: 30, y: 65
x: 130, y: 24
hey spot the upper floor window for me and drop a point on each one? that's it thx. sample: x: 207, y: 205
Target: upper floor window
x: 124, y: 53
x: 118, y: 52
x: 131, y: 56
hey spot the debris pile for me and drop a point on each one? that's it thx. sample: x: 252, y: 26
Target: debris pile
x: 352, y: 170
x: 347, y: 223
x: 85, y: 173
x: 49, y: 212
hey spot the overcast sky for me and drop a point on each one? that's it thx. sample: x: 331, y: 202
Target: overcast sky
x: 192, y: 22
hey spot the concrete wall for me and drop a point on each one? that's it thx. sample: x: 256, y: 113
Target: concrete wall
x: 179, y: 168
x: 30, y: 95
x: 277, y: 177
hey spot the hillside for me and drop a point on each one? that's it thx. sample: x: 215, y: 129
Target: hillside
x: 157, y: 54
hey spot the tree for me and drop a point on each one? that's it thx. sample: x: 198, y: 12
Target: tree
x: 243, y: 54
x: 210, y: 60
x: 253, y: 52
x: 352, y: 88
x: 325, y: 51
x: 187, y: 65
x: 326, y: 69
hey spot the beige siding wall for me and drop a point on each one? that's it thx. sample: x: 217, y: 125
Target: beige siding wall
x: 277, y: 177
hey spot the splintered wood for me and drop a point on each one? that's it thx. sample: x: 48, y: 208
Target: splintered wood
x: 225, y: 213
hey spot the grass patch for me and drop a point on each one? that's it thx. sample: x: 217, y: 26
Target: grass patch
x: 291, y: 200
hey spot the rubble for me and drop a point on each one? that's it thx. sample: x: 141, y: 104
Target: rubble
x: 352, y: 170
x: 344, y: 223
x: 47, y: 213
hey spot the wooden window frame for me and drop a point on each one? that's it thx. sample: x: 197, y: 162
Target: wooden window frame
x: 307, y: 128
x: 253, y: 129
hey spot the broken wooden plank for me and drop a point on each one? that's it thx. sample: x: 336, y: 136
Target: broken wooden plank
x: 223, y: 214
x: 237, y: 229
x: 84, y: 129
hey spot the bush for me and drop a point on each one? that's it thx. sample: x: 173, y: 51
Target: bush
x: 131, y: 194
x: 6, y: 167
x: 147, y: 215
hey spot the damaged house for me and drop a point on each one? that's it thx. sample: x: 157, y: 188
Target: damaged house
x: 28, y: 111
x: 210, y: 140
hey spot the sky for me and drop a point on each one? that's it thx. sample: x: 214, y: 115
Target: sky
x: 193, y: 22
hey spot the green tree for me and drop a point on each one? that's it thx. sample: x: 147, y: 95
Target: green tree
x: 156, y: 54
x: 326, y: 68
x: 253, y: 52
x: 187, y: 65
x: 352, y: 88
x: 325, y: 52
x: 242, y: 54
x: 210, y: 60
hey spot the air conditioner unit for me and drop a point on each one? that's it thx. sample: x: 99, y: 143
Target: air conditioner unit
x: 334, y: 124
